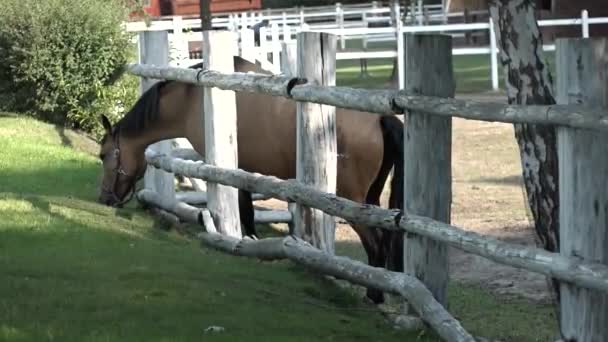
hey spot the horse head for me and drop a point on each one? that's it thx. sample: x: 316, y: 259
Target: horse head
x: 123, y: 166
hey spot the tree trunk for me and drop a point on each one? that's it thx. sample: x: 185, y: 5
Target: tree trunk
x: 205, y: 10
x: 529, y: 82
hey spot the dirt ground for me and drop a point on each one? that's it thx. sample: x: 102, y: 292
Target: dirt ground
x: 489, y: 199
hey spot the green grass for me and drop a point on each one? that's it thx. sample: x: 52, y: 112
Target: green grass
x: 73, y: 270
x: 471, y: 72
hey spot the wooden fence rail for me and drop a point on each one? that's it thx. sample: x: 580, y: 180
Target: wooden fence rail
x: 383, y: 101
x: 295, y: 249
x: 571, y: 269
x: 584, y: 275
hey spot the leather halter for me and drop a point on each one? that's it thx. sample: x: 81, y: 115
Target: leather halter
x: 117, y: 172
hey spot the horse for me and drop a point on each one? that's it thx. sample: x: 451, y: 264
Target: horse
x: 369, y: 145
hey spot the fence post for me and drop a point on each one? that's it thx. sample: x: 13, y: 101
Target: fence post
x: 340, y: 24
x: 493, y: 57
x: 428, y: 142
x: 582, y: 78
x: 419, y: 14
x: 219, y: 121
x: 263, y: 48
x: 180, y: 44
x: 400, y: 47
x: 289, y: 67
x: 248, y: 48
x: 154, y: 49
x: 585, y: 23
x: 316, y: 138
x: 302, y: 19
x: 289, y: 58
x: 276, y: 48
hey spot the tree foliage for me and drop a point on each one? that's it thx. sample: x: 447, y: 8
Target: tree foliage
x: 61, y: 60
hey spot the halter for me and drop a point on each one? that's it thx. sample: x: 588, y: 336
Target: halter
x: 117, y: 172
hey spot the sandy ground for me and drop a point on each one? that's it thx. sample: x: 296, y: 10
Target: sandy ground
x: 489, y: 199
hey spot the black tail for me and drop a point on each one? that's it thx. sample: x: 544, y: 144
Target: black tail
x: 392, y: 242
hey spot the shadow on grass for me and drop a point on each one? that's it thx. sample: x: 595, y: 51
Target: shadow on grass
x: 73, y: 277
x: 480, y: 312
x: 73, y: 179
x: 65, y: 140
x: 515, y: 180
x: 10, y: 115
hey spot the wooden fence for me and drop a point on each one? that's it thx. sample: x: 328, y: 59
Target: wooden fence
x: 580, y: 117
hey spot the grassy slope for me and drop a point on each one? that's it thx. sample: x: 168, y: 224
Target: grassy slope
x: 75, y: 270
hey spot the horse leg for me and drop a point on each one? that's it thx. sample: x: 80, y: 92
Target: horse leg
x: 391, y: 243
x: 370, y: 240
x: 246, y: 212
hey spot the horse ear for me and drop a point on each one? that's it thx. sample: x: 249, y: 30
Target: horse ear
x: 106, y: 123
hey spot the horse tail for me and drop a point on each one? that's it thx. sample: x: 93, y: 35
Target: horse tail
x: 392, y: 241
x: 392, y: 128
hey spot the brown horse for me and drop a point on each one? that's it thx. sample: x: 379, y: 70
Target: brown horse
x: 369, y: 145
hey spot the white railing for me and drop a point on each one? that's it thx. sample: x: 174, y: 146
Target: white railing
x: 455, y: 30
x: 284, y: 27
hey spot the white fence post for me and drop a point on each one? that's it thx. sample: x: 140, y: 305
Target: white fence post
x: 493, y: 56
x: 263, y: 48
x: 219, y: 120
x: 248, y: 49
x: 340, y: 24
x: 400, y: 49
x: 154, y: 50
x: 284, y: 14
x: 316, y: 138
x: 180, y: 44
x: 582, y: 78
x: 428, y: 142
x: 244, y: 20
x: 302, y: 19
x: 585, y: 23
x: 276, y: 48
x: 287, y: 33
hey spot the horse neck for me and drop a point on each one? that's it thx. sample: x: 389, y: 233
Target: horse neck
x: 166, y: 127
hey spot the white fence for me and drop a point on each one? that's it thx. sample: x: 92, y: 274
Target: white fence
x: 285, y: 26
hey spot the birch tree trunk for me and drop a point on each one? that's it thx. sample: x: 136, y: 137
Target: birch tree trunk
x: 528, y: 82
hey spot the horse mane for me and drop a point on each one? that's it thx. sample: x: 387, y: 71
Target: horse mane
x: 146, y: 110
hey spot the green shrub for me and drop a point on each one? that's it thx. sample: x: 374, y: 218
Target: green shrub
x: 61, y: 59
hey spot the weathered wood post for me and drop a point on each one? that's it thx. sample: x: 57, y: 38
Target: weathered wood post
x: 289, y: 67
x: 582, y: 78
x: 428, y: 148
x: 219, y: 121
x: 289, y: 58
x: 154, y: 50
x: 316, y: 138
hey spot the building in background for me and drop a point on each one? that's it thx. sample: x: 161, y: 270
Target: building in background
x: 190, y: 8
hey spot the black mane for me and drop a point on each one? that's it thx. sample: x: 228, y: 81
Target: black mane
x: 145, y: 110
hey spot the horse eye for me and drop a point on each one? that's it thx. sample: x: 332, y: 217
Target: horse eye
x: 102, y: 156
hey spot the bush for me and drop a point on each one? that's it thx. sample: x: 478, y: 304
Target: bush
x: 61, y: 60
